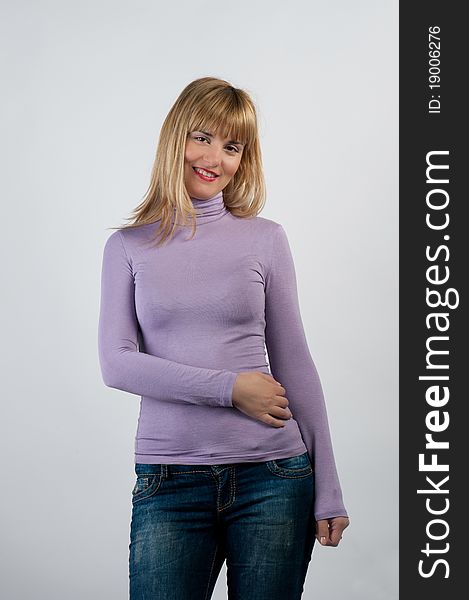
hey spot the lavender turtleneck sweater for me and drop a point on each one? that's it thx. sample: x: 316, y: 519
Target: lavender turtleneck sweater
x: 179, y: 322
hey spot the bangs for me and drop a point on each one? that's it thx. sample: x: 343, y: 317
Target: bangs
x: 228, y: 115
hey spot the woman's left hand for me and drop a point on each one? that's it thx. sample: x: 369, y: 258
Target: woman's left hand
x: 329, y: 531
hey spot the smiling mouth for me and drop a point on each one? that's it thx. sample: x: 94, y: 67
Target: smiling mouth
x: 204, y: 173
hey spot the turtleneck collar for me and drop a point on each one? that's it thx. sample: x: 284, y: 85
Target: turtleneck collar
x: 209, y: 210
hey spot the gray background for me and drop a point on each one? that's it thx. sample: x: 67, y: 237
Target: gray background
x: 88, y: 85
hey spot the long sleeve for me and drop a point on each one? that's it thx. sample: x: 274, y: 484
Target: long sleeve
x: 123, y: 366
x: 292, y: 365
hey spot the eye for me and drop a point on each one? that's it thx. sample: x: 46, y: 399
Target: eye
x: 233, y: 148
x: 200, y: 137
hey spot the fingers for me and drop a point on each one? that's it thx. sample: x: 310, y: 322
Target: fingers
x: 329, y: 531
x: 281, y: 413
x: 268, y: 377
x: 335, y: 536
x: 322, y: 532
x: 281, y: 401
x: 278, y: 416
x: 275, y: 422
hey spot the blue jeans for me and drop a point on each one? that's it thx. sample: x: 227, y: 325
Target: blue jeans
x: 187, y: 519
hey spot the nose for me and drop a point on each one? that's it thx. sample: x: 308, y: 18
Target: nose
x: 212, y: 155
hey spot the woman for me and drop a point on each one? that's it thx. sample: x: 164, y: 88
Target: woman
x: 233, y: 456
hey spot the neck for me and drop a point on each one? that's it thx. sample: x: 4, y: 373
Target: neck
x: 210, y: 209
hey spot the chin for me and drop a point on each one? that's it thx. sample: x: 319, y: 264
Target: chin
x: 203, y: 191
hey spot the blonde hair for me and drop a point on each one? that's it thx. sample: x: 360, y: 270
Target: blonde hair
x: 206, y: 104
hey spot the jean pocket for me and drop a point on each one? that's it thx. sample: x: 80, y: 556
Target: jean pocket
x: 148, y: 481
x: 293, y: 466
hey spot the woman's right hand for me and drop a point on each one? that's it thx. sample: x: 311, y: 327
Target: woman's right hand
x: 258, y: 395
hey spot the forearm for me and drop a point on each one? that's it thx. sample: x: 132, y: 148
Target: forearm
x: 147, y: 375
x: 124, y: 367
x: 292, y: 365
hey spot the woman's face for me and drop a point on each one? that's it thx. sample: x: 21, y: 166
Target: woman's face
x: 210, y: 161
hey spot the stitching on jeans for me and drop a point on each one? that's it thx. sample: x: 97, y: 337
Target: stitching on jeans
x: 144, y: 494
x: 217, y: 481
x: 281, y: 472
x: 233, y: 485
x: 175, y: 473
x: 231, y: 499
x: 194, y: 471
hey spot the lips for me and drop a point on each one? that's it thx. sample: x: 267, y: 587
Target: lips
x: 203, y: 177
x: 206, y: 170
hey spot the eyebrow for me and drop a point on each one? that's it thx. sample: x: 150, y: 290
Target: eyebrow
x: 211, y: 135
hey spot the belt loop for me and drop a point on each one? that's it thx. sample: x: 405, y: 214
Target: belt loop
x: 164, y: 471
